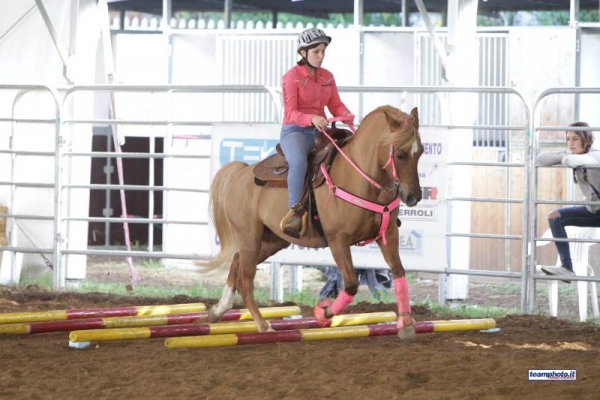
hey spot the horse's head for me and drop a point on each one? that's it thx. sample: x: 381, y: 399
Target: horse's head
x: 407, y: 149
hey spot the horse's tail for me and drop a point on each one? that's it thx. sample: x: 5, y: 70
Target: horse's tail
x: 219, y: 191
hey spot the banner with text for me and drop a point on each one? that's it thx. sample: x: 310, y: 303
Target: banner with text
x: 423, y: 230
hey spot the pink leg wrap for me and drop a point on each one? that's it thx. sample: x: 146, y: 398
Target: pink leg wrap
x: 403, y: 300
x: 340, y: 303
x: 402, y: 296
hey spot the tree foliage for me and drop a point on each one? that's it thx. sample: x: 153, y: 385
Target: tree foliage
x: 520, y: 18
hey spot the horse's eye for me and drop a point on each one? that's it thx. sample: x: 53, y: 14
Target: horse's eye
x: 401, y: 156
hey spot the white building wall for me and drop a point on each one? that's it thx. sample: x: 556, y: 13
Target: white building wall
x: 540, y: 58
x: 29, y: 55
x: 389, y: 60
x: 590, y: 75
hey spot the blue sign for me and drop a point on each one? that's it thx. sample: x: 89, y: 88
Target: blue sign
x: 407, y: 241
x: 246, y: 150
x: 412, y: 241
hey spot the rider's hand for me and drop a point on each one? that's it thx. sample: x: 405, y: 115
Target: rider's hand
x: 349, y: 117
x: 319, y: 122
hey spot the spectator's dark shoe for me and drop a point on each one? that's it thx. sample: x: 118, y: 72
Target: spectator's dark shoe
x: 559, y: 271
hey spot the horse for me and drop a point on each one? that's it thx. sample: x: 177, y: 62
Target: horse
x: 352, y: 209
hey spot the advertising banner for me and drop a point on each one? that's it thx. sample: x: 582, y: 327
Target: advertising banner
x: 423, y: 230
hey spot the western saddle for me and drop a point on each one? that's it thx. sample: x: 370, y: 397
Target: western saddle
x: 273, y: 170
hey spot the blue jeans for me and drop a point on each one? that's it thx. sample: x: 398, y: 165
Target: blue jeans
x: 570, y: 216
x: 296, y: 143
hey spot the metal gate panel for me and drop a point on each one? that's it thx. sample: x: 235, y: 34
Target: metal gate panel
x: 253, y: 60
x: 429, y: 73
x: 493, y: 71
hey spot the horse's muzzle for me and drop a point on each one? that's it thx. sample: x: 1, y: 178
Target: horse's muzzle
x: 411, y: 200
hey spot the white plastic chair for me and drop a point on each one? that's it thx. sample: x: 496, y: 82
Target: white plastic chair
x: 581, y: 267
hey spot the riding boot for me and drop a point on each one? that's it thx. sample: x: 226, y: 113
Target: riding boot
x: 294, y: 222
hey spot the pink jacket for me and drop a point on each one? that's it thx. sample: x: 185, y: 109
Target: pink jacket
x: 305, y: 96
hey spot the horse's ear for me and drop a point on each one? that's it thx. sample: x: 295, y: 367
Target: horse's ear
x: 415, y: 114
x: 393, y: 123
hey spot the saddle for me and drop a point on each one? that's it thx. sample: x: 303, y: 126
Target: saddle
x: 273, y: 170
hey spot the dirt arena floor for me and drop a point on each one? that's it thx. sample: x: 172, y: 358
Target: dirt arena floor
x: 464, y: 365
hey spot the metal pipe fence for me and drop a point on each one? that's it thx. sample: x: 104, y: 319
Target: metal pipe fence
x: 168, y: 123
x: 442, y: 270
x: 61, y: 251
x: 530, y: 274
x: 48, y: 97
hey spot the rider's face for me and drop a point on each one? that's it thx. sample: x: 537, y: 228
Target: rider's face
x: 574, y: 143
x: 316, y: 55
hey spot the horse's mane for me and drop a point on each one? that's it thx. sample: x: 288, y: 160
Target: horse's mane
x: 401, y: 138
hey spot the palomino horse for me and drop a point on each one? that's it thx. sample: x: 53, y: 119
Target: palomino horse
x: 352, y: 208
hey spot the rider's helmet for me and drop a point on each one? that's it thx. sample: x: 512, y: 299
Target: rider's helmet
x: 312, y: 36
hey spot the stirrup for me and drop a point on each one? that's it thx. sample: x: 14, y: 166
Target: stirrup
x: 288, y: 215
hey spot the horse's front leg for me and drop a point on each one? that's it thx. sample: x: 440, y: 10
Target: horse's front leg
x: 343, y: 258
x: 405, y: 324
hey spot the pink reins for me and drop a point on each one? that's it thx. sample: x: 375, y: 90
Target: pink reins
x: 386, y: 210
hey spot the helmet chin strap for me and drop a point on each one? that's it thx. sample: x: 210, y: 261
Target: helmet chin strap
x: 309, y: 64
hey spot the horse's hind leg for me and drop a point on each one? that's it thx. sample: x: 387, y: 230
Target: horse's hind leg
x: 269, y: 245
x: 226, y: 302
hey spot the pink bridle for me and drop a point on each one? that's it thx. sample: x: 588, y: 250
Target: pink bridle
x: 386, y: 210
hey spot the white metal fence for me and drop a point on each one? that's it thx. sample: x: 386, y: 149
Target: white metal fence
x: 531, y: 276
x: 31, y: 173
x: 62, y: 187
x: 147, y: 23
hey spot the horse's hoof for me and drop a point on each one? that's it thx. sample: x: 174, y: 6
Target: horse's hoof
x: 406, y: 327
x: 264, y: 327
x: 407, y: 333
x: 319, y: 310
x: 212, y: 317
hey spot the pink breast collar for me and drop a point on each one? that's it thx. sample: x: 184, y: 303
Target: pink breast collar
x: 367, y: 205
x: 357, y: 201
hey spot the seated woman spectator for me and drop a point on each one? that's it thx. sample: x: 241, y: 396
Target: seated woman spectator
x: 578, y: 154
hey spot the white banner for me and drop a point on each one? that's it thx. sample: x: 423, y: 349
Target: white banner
x: 423, y: 230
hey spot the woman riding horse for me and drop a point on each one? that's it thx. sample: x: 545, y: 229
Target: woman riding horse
x: 374, y: 171
x: 307, y: 89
